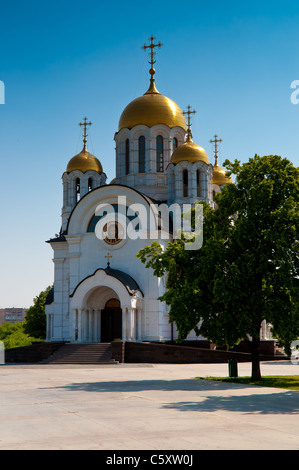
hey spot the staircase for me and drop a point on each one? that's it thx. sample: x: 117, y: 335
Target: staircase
x: 88, y: 353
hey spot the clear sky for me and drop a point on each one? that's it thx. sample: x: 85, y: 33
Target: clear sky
x: 60, y: 61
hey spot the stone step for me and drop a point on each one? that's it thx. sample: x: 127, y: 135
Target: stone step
x: 85, y: 353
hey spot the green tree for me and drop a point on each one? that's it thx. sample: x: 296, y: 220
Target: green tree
x: 35, y: 320
x: 13, y: 335
x: 247, y: 267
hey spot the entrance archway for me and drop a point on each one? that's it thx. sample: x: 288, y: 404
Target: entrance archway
x: 113, y: 294
x: 111, y: 321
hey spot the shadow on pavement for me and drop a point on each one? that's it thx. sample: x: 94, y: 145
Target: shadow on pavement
x: 243, y: 398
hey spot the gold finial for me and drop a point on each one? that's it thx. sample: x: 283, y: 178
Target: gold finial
x: 85, y: 124
x: 108, y: 256
x: 188, y: 113
x: 215, y: 142
x: 152, y: 47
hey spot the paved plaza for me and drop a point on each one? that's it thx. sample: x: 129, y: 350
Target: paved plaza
x: 144, y: 407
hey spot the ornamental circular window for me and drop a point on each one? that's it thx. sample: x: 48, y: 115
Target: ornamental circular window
x: 113, y: 233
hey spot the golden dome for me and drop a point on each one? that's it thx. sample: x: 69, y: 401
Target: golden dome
x: 84, y: 161
x: 150, y: 109
x: 219, y: 175
x: 189, y: 151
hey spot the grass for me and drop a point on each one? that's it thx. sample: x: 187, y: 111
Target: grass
x: 290, y: 382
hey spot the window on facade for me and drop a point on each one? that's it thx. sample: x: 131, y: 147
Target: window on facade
x: 185, y: 183
x: 160, y: 158
x: 198, y: 183
x: 77, y: 189
x: 141, y: 154
x: 174, y: 143
x: 127, y: 156
x: 90, y: 184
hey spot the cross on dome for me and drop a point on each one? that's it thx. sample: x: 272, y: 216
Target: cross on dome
x: 85, y: 124
x: 215, y: 142
x: 152, y: 47
x: 188, y: 114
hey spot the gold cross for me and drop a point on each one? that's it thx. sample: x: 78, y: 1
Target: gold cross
x: 188, y: 113
x: 152, y: 46
x: 108, y: 257
x: 215, y: 141
x: 85, y: 124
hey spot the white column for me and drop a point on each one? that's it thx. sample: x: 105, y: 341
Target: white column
x: 263, y: 330
x: 192, y: 182
x: 124, y: 324
x: 139, y: 318
x: 99, y: 321
x: 86, y: 329
x: 132, y: 329
x: 89, y: 325
x: 178, y: 183
x: 80, y: 325
x: 74, y: 324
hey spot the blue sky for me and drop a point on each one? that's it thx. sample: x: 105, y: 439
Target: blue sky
x: 60, y: 61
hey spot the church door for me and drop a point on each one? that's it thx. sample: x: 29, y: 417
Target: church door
x: 111, y: 324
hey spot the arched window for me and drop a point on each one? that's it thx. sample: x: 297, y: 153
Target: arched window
x: 174, y: 143
x: 185, y: 183
x: 198, y: 183
x: 127, y: 156
x: 141, y: 154
x: 159, y: 150
x: 90, y: 184
x: 77, y: 189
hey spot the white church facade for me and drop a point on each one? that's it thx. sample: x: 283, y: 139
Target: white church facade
x: 102, y: 292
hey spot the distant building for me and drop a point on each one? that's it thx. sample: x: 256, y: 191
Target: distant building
x: 12, y: 315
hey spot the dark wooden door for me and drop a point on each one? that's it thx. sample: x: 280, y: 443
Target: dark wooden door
x: 111, y: 324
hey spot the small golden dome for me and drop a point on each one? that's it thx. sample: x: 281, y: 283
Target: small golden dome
x: 84, y: 161
x: 150, y: 109
x: 189, y: 151
x: 219, y: 175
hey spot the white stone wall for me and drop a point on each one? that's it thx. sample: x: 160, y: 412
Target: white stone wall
x: 70, y: 196
x: 82, y: 254
x: 175, y: 182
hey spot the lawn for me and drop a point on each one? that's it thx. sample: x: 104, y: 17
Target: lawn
x: 290, y: 382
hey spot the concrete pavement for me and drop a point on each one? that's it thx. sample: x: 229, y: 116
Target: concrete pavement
x: 144, y: 407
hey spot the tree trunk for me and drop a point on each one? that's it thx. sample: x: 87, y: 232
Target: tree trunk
x: 255, y: 359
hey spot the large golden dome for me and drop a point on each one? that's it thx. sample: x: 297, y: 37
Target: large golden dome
x: 219, y: 175
x: 189, y: 151
x: 84, y: 161
x: 150, y: 109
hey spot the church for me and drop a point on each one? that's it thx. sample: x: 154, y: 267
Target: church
x: 102, y: 292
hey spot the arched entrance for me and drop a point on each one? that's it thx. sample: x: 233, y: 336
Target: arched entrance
x: 111, y: 321
x: 106, y: 306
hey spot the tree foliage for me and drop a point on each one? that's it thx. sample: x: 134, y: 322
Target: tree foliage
x: 13, y: 335
x: 247, y: 268
x: 35, y: 320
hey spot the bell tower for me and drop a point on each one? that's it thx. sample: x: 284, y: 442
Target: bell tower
x: 84, y: 173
